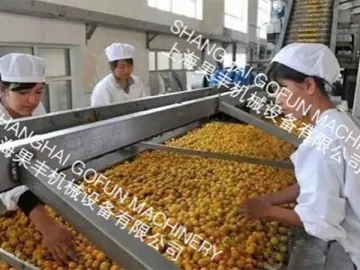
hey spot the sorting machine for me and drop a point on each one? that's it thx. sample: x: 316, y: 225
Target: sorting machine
x: 103, y: 136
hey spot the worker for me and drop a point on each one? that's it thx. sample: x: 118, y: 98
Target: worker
x: 328, y: 184
x: 21, y: 87
x: 120, y: 85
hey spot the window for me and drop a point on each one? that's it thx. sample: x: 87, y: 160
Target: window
x: 176, y: 61
x: 264, y: 16
x: 236, y: 17
x: 188, y: 8
x: 240, y: 60
x: 160, y: 60
x: 58, y: 92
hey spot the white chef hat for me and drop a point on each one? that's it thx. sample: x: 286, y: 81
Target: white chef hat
x: 312, y: 59
x: 22, y: 68
x: 118, y: 51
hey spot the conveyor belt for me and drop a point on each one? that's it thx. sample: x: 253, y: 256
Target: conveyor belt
x: 310, y: 21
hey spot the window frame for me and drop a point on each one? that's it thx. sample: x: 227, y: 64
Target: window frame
x: 243, y: 19
x: 261, y: 9
x: 171, y: 68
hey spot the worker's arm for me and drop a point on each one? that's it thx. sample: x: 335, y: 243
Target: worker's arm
x: 287, y: 195
x: 261, y: 208
x: 56, y: 238
x: 283, y: 215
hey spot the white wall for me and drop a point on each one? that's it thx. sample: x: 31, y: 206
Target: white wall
x: 135, y: 9
x: 212, y: 23
x: 32, y: 29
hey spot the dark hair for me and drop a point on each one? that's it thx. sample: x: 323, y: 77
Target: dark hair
x: 16, y: 86
x: 113, y: 64
x: 277, y: 71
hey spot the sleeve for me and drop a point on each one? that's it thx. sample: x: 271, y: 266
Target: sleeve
x: 19, y: 197
x: 320, y: 205
x: 100, y: 97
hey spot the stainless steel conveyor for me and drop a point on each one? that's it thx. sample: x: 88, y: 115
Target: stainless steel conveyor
x: 115, y: 138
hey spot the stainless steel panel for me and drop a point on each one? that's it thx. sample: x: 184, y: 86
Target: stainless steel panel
x: 102, y: 163
x: 247, y: 118
x: 67, y: 119
x: 356, y: 106
x: 14, y: 261
x: 118, y: 244
x: 308, y: 253
x: 223, y: 156
x: 337, y: 258
x: 334, y: 27
x: 89, y: 141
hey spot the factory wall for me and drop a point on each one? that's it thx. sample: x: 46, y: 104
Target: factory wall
x: 88, y: 61
x: 212, y: 23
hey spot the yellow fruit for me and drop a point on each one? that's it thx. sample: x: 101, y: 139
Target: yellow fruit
x: 274, y: 241
x: 279, y: 257
x: 105, y: 266
x: 100, y: 256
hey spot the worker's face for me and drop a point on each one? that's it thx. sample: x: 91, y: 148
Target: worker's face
x: 24, y: 102
x: 296, y: 96
x: 123, y: 70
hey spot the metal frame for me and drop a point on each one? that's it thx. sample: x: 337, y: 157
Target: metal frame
x: 135, y: 127
x: 288, y: 12
x: 334, y: 27
x: 72, y: 118
x: 14, y: 261
x: 356, y: 106
x: 222, y: 156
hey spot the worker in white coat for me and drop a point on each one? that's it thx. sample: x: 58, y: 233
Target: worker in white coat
x: 328, y: 178
x: 21, y: 87
x: 120, y: 85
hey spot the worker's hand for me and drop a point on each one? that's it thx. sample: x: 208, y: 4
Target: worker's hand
x: 255, y: 208
x: 56, y: 238
x: 60, y: 243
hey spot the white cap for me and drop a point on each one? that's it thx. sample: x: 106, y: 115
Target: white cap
x: 22, y: 68
x: 118, y: 51
x: 312, y: 59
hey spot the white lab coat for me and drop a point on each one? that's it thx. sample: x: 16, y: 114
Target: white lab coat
x: 108, y: 91
x: 329, y: 200
x: 10, y: 198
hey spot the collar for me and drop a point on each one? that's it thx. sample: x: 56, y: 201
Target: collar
x: 131, y: 81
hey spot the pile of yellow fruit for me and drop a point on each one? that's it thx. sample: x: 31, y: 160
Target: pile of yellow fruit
x: 205, y: 194
x: 234, y: 138
x: 20, y: 237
